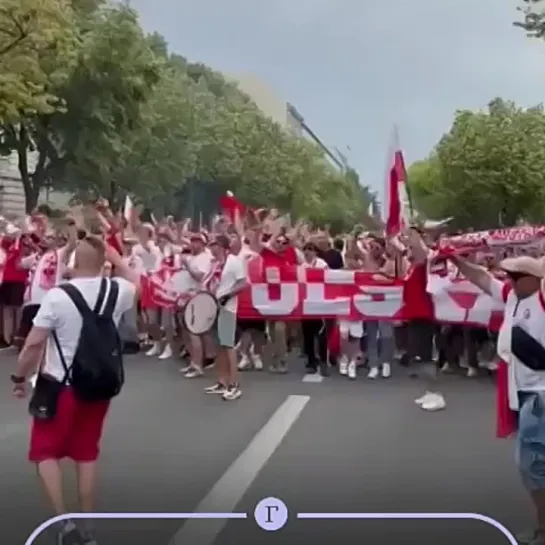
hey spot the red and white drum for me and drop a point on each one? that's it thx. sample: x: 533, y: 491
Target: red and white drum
x: 200, y: 313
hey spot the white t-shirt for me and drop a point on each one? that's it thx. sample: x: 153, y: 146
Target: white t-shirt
x: 34, y: 292
x: 529, y: 314
x: 233, y: 271
x: 245, y: 255
x: 151, y: 257
x: 183, y: 282
x: 58, y: 312
x: 316, y: 264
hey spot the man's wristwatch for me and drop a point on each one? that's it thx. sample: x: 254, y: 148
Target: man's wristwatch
x: 16, y: 379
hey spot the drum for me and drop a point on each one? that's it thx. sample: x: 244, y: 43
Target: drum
x: 200, y: 313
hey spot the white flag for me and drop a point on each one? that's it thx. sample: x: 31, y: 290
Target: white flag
x: 128, y: 209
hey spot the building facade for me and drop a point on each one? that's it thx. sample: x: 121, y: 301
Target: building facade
x: 279, y: 110
x: 267, y: 101
x: 12, y: 193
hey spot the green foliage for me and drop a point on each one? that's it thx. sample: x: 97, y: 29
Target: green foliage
x: 533, y: 21
x: 125, y: 115
x: 32, y: 32
x: 488, y: 170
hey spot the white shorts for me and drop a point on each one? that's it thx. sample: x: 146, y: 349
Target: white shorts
x: 351, y: 328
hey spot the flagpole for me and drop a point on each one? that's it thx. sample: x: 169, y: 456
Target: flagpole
x: 409, y: 201
x: 387, y: 169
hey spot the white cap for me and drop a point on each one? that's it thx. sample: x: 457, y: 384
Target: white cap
x: 230, y: 194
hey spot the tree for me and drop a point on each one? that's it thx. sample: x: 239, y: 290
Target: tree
x: 81, y: 144
x: 130, y: 117
x: 533, y: 21
x: 30, y: 32
x: 488, y: 170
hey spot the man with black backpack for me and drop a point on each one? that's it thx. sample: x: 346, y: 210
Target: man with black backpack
x: 76, y: 331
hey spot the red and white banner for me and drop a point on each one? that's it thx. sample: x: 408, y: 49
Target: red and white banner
x: 294, y: 293
x: 525, y: 234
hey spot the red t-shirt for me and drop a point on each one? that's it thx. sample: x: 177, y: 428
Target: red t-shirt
x: 288, y: 256
x: 12, y: 270
x: 418, y: 302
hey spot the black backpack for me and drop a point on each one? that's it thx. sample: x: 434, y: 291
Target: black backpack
x: 96, y: 373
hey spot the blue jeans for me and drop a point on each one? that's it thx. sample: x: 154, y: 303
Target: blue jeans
x: 380, y: 343
x: 530, y: 441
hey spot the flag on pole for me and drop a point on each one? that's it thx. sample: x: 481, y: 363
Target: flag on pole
x: 231, y: 206
x: 128, y: 210
x: 398, y: 211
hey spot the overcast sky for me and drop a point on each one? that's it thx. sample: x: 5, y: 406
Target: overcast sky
x: 354, y: 68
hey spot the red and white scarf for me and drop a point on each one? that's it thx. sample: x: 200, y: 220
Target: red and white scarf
x: 212, y: 280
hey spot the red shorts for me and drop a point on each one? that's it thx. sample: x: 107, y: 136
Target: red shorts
x: 74, y: 433
x: 146, y: 299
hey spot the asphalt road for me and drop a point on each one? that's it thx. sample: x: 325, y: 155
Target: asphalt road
x: 336, y: 446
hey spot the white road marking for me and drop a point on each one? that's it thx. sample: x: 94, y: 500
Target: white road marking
x: 316, y: 378
x: 230, y: 489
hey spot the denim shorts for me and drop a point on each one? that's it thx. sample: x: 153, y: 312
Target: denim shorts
x: 226, y: 327
x: 530, y: 442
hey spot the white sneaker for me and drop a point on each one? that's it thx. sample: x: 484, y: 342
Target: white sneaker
x: 154, y: 350
x: 352, y: 370
x: 446, y: 368
x: 471, y: 372
x: 435, y: 402
x: 386, y: 370
x: 373, y: 373
x: 186, y: 369
x: 232, y: 393
x: 194, y: 373
x: 167, y: 353
x: 343, y: 365
x: 421, y: 400
x: 244, y: 364
x: 258, y: 363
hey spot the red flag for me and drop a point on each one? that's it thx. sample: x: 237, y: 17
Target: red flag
x: 397, y: 213
x: 230, y: 205
x: 506, y: 419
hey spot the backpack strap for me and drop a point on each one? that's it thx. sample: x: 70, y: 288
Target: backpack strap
x: 77, y: 298
x: 101, y: 295
x: 112, y: 299
x: 61, y: 357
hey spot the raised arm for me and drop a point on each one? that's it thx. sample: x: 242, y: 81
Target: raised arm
x: 475, y: 274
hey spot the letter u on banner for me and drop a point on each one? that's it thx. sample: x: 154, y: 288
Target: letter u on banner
x: 379, y: 301
x: 283, y: 306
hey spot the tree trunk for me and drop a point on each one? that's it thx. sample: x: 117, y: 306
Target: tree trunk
x: 31, y: 191
x: 113, y: 192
